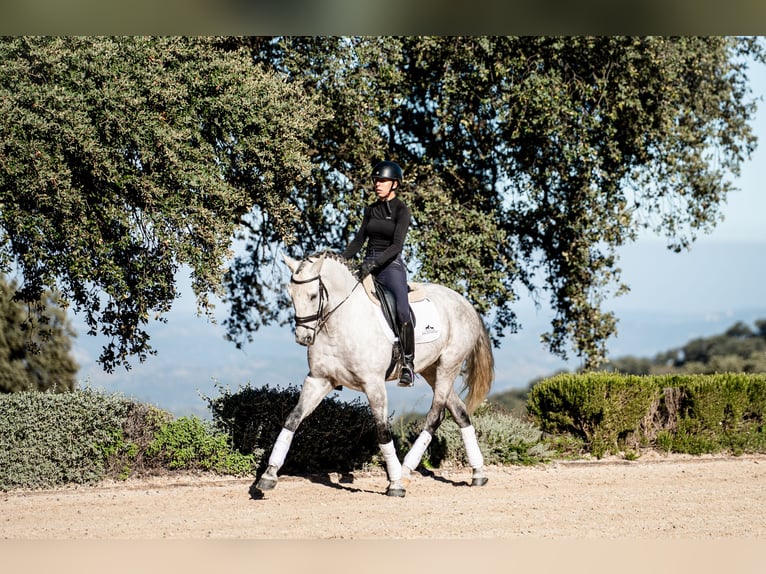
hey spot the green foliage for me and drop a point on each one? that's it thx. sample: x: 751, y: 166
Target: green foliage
x: 600, y: 408
x: 126, y: 456
x: 124, y: 159
x: 83, y: 437
x: 692, y: 414
x: 720, y: 412
x: 337, y: 436
x: 189, y: 443
x: 503, y: 439
x: 528, y: 161
x: 35, y: 344
x: 55, y: 439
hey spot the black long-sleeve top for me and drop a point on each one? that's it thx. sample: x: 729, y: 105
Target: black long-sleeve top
x: 384, y: 227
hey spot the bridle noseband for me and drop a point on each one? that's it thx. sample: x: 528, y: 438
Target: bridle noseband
x: 320, y: 317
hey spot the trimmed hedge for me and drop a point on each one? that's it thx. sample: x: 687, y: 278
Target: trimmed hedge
x: 49, y: 440
x: 692, y: 414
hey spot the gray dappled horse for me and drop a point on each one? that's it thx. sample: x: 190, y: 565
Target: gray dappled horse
x: 347, y: 344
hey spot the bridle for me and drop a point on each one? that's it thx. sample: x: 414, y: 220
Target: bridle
x: 320, y: 317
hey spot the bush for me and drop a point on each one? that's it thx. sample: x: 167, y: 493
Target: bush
x: 603, y: 409
x: 54, y: 439
x: 126, y: 456
x: 337, y: 436
x: 692, y: 414
x: 722, y: 412
x: 189, y: 443
x: 503, y: 439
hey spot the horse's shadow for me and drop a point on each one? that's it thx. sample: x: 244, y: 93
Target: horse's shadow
x: 331, y: 480
x: 344, y: 481
x: 438, y: 478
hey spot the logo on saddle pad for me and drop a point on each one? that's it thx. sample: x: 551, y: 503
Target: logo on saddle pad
x: 426, y: 324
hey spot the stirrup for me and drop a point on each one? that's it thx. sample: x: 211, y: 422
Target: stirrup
x: 404, y: 380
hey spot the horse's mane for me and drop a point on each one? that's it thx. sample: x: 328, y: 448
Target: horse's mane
x: 327, y: 254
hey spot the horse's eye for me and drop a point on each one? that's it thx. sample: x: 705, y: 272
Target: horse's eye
x: 313, y: 296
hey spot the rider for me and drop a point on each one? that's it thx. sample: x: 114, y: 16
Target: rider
x: 384, y: 227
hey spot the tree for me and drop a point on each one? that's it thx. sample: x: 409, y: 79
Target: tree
x: 124, y: 159
x: 35, y: 344
x: 528, y: 161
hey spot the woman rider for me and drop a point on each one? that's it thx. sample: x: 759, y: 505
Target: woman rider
x: 384, y: 227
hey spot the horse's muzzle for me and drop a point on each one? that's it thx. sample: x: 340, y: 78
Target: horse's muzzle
x: 304, y: 337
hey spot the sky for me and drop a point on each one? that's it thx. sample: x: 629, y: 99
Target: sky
x: 673, y: 298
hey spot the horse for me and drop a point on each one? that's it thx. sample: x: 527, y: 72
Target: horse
x: 340, y: 324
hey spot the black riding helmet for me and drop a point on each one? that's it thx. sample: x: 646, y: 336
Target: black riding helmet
x: 388, y: 170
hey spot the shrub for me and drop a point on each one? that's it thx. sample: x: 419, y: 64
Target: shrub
x: 54, y: 439
x: 503, y: 439
x: 721, y: 412
x: 127, y: 455
x: 691, y: 414
x: 604, y: 409
x: 337, y: 436
x: 189, y: 443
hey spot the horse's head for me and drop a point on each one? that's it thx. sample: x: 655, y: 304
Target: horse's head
x: 309, y: 295
x: 313, y: 282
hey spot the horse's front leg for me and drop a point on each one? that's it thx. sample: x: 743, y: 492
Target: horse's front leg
x: 313, y: 391
x: 376, y: 395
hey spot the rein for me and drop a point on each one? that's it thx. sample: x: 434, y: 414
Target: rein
x: 319, y: 317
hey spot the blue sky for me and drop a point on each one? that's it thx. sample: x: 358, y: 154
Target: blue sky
x: 673, y: 298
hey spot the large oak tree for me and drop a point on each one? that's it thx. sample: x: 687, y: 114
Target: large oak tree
x: 122, y: 160
x: 528, y: 162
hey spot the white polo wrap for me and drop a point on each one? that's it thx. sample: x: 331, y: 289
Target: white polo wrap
x: 475, y: 458
x: 281, y: 446
x: 412, y: 459
x: 393, y: 465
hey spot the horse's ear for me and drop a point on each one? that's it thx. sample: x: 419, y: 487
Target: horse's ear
x: 292, y: 264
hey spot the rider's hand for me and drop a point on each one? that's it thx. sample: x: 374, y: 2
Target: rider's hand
x: 365, y: 269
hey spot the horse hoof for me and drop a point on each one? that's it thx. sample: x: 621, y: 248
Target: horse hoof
x: 481, y: 481
x: 266, y: 484
x: 268, y: 480
x: 397, y: 492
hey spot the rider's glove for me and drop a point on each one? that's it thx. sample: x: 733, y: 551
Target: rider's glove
x: 365, y: 269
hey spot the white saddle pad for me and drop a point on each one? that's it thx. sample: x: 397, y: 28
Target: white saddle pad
x: 427, y: 325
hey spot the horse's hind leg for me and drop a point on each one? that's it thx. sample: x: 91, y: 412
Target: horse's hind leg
x: 312, y: 393
x: 433, y: 419
x: 473, y: 452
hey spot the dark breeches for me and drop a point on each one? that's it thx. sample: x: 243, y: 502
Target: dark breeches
x: 394, y: 276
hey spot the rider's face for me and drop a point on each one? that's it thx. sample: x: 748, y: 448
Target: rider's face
x: 383, y: 187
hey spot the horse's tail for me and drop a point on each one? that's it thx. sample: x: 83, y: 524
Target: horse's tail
x: 479, y: 370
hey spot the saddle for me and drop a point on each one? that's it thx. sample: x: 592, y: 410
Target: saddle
x: 384, y: 298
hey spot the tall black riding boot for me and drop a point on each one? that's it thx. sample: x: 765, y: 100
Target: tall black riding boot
x: 407, y: 340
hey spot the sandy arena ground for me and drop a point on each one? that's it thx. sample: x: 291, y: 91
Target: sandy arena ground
x: 653, y: 498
